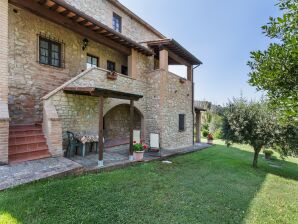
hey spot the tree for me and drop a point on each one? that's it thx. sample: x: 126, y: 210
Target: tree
x: 275, y: 70
x: 248, y: 123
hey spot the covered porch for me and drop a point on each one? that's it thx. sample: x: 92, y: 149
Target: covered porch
x: 101, y: 94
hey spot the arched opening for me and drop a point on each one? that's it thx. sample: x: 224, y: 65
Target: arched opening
x: 117, y: 123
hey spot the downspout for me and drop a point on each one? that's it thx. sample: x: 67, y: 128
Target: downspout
x: 193, y: 102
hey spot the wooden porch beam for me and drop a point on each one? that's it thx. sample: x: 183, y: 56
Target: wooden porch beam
x: 100, y: 132
x: 131, y: 130
x: 178, y: 59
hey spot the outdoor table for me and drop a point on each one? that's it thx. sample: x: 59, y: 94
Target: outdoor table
x: 86, y: 138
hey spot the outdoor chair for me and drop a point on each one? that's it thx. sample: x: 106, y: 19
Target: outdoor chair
x: 154, y: 147
x: 73, y: 145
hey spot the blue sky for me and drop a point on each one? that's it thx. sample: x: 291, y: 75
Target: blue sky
x: 220, y: 33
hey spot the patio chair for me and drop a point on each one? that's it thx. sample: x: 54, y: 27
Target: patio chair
x: 73, y: 145
x: 154, y: 147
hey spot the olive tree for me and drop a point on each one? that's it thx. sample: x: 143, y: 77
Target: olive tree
x: 248, y: 123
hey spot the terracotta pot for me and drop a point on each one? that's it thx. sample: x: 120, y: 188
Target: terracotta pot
x: 182, y: 80
x: 267, y: 156
x: 209, y: 141
x: 112, y: 75
x: 138, y: 156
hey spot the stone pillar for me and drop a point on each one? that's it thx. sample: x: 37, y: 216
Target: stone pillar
x: 4, y: 116
x: 198, y: 127
x: 189, y: 73
x: 164, y: 60
x: 132, y: 64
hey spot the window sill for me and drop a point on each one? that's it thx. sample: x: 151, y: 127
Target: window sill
x: 50, y: 66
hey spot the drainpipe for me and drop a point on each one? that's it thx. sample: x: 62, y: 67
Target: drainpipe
x: 193, y: 99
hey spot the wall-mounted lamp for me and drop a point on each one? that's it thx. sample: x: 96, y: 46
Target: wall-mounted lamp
x: 85, y: 43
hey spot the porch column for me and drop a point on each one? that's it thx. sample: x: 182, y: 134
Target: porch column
x: 189, y: 73
x: 100, y: 133
x: 164, y: 59
x: 132, y: 64
x: 4, y: 115
x: 131, y: 130
x: 198, y: 127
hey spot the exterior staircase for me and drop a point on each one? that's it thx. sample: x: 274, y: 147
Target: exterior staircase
x: 26, y: 142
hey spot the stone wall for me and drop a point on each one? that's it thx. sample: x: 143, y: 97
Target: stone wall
x: 4, y: 116
x: 52, y: 129
x: 177, y: 100
x: 117, y: 122
x: 29, y: 80
x: 102, y: 11
x: 167, y: 98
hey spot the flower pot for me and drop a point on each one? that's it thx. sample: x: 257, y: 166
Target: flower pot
x: 138, y: 156
x: 182, y: 80
x: 267, y: 156
x: 210, y: 141
x: 112, y: 75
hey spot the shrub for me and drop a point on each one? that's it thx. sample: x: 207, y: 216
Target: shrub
x: 205, y: 133
x: 218, y: 134
x: 268, y: 152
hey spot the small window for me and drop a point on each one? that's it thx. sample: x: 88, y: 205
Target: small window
x: 181, y: 122
x: 111, y: 66
x: 124, y: 70
x: 92, y: 61
x: 49, y: 52
x: 117, y: 22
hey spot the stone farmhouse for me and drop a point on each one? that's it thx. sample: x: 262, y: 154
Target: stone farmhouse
x: 88, y: 65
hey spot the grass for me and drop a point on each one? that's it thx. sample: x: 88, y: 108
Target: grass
x: 216, y: 185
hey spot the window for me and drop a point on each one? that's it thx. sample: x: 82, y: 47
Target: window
x: 92, y: 61
x: 49, y: 52
x: 124, y: 70
x: 181, y: 122
x: 111, y: 66
x: 117, y: 22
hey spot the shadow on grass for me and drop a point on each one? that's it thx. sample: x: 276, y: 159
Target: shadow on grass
x: 216, y: 185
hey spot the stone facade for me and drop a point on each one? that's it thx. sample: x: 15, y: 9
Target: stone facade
x: 102, y: 10
x: 29, y: 80
x: 36, y: 91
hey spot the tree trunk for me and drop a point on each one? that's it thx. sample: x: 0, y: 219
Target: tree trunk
x: 256, y: 156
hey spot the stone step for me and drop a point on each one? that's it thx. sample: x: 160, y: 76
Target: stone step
x: 26, y: 142
x: 15, y: 149
x: 31, y: 142
x: 22, y: 157
x: 24, y: 126
x: 24, y: 135
x: 25, y: 132
x: 22, y: 150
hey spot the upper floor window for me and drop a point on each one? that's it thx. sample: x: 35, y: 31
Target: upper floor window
x: 181, y: 122
x: 124, y: 70
x: 49, y: 52
x: 117, y: 23
x: 111, y: 66
x: 92, y: 61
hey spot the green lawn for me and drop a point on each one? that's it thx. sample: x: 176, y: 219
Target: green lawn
x: 216, y: 185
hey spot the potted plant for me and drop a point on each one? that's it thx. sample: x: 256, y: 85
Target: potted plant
x: 268, y: 153
x: 138, y: 151
x: 210, y: 138
x: 182, y: 80
x: 112, y: 75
